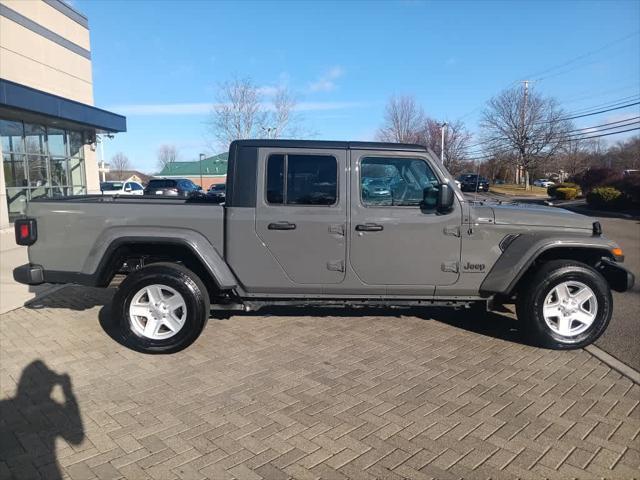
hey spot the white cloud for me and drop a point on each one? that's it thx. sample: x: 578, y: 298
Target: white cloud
x: 323, y: 106
x: 163, y: 109
x: 327, y: 81
x: 205, y: 108
x: 268, y: 90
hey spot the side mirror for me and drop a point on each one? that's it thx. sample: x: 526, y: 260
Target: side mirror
x: 445, y: 198
x: 127, y: 189
x: 438, y: 198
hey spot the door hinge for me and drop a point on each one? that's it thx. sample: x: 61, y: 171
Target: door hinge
x: 453, y: 230
x: 335, y: 266
x: 338, y: 229
x: 450, y: 267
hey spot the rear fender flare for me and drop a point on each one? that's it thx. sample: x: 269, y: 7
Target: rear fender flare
x: 111, y: 239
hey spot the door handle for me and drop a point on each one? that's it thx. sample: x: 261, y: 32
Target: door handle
x: 282, y: 226
x: 369, y: 227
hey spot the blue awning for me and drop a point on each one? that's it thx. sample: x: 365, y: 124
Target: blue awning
x: 20, y: 97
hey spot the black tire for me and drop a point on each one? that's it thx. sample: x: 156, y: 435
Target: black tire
x: 183, y: 281
x: 533, y: 294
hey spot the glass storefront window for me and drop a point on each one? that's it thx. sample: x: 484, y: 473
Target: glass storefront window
x: 56, y: 143
x: 52, y: 167
x: 34, y: 137
x: 15, y: 174
x: 59, y: 172
x: 11, y: 136
x: 76, y: 144
x: 76, y: 174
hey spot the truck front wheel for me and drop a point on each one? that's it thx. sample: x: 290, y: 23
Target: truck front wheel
x: 161, y: 308
x: 565, y: 304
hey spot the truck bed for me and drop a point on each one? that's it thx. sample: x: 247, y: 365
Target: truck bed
x: 72, y: 230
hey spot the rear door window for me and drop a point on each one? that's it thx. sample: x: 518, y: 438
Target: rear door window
x: 302, y: 179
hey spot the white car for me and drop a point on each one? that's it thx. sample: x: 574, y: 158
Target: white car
x: 121, y: 188
x: 543, y: 182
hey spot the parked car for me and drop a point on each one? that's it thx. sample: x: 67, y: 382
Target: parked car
x: 543, y: 182
x: 297, y: 230
x: 218, y: 191
x: 471, y: 182
x: 121, y: 188
x: 174, y: 187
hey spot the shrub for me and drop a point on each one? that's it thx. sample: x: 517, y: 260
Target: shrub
x: 595, y: 177
x: 566, y: 193
x: 552, y: 189
x: 604, y: 197
x: 629, y: 185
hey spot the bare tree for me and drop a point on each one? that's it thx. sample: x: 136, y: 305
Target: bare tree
x: 575, y: 155
x: 530, y: 126
x: 456, y: 142
x: 167, y: 154
x: 242, y: 111
x: 403, y: 121
x: 119, y: 165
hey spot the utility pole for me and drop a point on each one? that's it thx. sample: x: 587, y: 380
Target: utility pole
x: 202, y: 157
x: 442, y: 130
x: 523, y: 117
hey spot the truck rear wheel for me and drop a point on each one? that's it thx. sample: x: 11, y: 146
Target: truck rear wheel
x: 565, y: 305
x: 161, y: 308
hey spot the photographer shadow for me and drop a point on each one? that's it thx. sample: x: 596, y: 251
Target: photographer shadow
x: 31, y: 421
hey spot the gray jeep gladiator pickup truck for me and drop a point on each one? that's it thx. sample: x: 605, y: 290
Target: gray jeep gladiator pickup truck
x: 326, y: 223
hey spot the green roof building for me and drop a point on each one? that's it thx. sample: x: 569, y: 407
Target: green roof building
x: 212, y: 170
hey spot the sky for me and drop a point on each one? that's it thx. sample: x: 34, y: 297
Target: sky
x: 160, y: 63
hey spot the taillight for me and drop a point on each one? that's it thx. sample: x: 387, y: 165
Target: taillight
x: 26, y: 231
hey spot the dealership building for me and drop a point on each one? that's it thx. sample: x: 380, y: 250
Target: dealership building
x: 48, y: 124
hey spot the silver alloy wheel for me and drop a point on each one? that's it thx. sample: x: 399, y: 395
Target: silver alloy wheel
x: 570, y: 308
x: 157, y: 312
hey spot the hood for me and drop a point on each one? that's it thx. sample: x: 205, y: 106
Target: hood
x: 540, y: 216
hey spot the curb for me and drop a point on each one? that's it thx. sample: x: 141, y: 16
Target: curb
x: 614, y: 363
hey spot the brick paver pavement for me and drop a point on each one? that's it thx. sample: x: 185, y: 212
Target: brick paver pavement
x: 294, y: 396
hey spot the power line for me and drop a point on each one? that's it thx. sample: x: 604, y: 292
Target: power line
x: 612, y: 103
x: 610, y: 133
x: 582, y: 57
x: 581, y: 96
x: 537, y: 77
x: 618, y: 104
x: 592, y: 113
x: 571, y: 137
x: 603, y: 124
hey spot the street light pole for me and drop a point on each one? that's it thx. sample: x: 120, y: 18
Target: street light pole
x: 202, y: 157
x: 442, y: 130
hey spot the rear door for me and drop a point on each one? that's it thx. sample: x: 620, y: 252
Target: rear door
x: 393, y: 240
x: 301, y: 212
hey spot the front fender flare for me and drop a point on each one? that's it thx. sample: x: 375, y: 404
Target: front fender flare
x: 526, y: 248
x: 112, y: 238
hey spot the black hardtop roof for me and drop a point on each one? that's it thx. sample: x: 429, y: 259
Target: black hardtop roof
x: 408, y: 147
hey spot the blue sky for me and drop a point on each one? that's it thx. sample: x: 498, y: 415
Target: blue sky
x: 159, y: 63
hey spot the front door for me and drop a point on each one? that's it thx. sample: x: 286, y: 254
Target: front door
x: 394, y: 240
x: 302, y: 212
